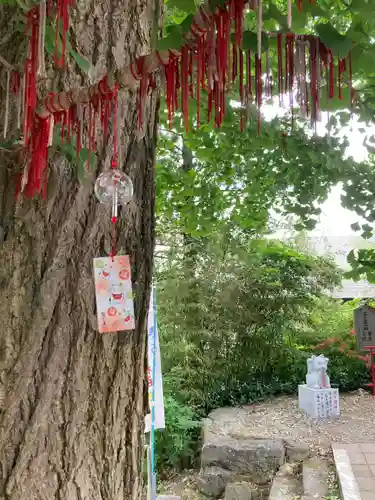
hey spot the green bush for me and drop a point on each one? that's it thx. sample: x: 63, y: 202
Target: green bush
x: 238, y: 320
x: 176, y: 445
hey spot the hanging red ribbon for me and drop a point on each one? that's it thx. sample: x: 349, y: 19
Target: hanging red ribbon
x: 280, y: 64
x: 138, y: 71
x: 341, y: 69
x: 15, y: 82
x: 31, y: 65
x: 258, y: 83
x: 37, y: 169
x: 62, y: 21
x: 351, y: 90
x: 249, y: 83
x: 238, y: 14
x: 185, y: 85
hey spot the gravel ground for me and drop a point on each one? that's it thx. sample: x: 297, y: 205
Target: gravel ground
x: 281, y: 418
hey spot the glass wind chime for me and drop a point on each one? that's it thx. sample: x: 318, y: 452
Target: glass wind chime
x: 113, y: 286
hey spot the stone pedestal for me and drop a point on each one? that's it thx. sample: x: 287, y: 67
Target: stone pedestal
x: 319, y: 403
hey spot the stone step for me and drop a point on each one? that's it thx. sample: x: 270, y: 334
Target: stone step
x: 238, y: 491
x: 315, y: 474
x: 167, y: 497
x: 285, y: 488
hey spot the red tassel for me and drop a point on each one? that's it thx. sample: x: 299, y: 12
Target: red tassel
x: 15, y: 82
x: 210, y: 103
x: 234, y: 63
x: 242, y: 95
x: 258, y: 83
x: 177, y: 85
x: 314, y: 81
x: 249, y: 83
x: 219, y: 42
x: 268, y: 77
x: 280, y: 64
x: 290, y: 66
x: 239, y: 8
x: 300, y: 5
x: 191, y: 75
x: 31, y: 65
x: 200, y: 56
x: 105, y: 98
x: 222, y: 44
x: 62, y: 15
x: 341, y: 70
x: 185, y: 85
x: 307, y: 109
x: 331, y: 76
x: 38, y: 153
x: 139, y: 73
x: 170, y: 84
x: 351, y: 79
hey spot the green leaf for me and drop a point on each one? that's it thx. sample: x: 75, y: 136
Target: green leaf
x: 82, y: 63
x: 355, y: 226
x: 174, y: 39
x: 366, y: 235
x: 250, y: 41
x: 184, y: 5
x: 339, y: 44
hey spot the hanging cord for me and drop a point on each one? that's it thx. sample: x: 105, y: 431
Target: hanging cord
x: 6, y: 117
x: 115, y: 177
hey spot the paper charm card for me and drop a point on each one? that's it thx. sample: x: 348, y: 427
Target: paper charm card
x: 114, y: 296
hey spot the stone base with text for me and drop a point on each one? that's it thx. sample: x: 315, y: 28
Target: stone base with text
x: 319, y: 403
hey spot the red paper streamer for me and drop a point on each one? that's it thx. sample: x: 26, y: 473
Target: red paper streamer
x: 185, y: 85
x: 249, y: 83
x: 280, y: 63
x: 62, y: 19
x: 238, y: 8
x: 30, y: 71
x: 37, y: 175
x: 199, y: 58
x: 341, y: 69
x: 138, y: 71
x: 258, y: 83
x: 331, y: 76
x: 242, y: 94
x: 234, y: 63
x: 351, y: 90
x: 15, y: 82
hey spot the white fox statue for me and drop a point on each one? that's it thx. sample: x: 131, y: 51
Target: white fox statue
x: 317, y: 377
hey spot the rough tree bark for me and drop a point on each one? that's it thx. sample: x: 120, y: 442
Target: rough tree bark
x: 71, y: 420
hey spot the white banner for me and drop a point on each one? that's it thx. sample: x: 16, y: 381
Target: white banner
x: 152, y: 341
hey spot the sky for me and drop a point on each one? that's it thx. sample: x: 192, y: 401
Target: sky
x: 334, y: 220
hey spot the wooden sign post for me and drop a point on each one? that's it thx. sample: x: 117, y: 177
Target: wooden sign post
x: 364, y: 322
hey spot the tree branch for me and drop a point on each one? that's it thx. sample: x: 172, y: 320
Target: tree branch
x: 6, y: 64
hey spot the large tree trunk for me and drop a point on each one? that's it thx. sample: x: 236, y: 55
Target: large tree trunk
x: 71, y: 420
